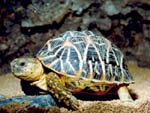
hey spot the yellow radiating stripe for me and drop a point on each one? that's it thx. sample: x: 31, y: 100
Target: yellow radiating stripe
x: 90, y: 74
x: 85, y: 53
x: 108, y: 49
x: 54, y: 62
x: 67, y: 60
x: 121, y: 63
x: 48, y: 45
x: 102, y: 63
x: 61, y: 63
x: 115, y: 57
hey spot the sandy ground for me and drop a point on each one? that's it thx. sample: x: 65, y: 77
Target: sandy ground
x: 10, y: 86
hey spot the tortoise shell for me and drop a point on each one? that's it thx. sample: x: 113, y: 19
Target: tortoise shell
x: 86, y: 56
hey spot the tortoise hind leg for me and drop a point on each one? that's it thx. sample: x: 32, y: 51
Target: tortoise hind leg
x: 60, y: 92
x: 124, y: 95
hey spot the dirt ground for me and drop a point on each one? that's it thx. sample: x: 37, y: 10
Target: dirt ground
x: 9, y: 86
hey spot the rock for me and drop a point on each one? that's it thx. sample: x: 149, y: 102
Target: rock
x: 2, y: 96
x: 3, y: 47
x: 15, y: 38
x: 104, y: 24
x: 143, y: 12
x: 115, y: 7
x: 146, y: 30
x: 110, y: 8
x: 78, y: 6
x: 45, y: 12
x: 37, y: 101
x: 126, y: 10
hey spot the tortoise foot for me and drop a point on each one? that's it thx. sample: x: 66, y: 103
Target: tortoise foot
x: 124, y: 94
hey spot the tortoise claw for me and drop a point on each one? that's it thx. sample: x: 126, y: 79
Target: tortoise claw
x: 72, y: 103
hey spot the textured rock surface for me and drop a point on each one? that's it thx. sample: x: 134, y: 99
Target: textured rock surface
x: 45, y: 12
x: 78, y: 6
x: 36, y: 101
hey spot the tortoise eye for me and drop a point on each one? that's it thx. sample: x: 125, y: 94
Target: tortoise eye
x: 22, y: 64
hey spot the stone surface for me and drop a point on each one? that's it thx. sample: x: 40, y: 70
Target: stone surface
x: 78, y: 6
x: 110, y: 8
x: 36, y: 101
x: 2, y: 96
x: 104, y: 24
x: 45, y: 12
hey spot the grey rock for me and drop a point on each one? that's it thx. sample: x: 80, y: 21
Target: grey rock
x: 104, y: 24
x: 15, y: 38
x: 115, y: 7
x: 2, y: 96
x: 144, y: 13
x: 110, y: 8
x: 79, y: 5
x: 37, y: 101
x: 146, y: 30
x: 3, y: 47
x: 126, y: 10
x: 45, y: 12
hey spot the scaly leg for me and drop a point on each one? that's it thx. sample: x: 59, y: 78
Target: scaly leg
x: 124, y: 94
x: 60, y: 92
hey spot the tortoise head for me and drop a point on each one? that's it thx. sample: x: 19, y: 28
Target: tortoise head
x: 29, y: 69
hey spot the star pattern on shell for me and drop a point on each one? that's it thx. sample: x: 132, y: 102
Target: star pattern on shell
x: 85, y: 55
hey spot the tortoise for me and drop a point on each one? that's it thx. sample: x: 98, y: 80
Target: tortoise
x: 78, y: 62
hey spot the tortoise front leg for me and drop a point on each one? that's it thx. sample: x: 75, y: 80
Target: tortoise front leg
x: 60, y: 92
x: 124, y: 94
